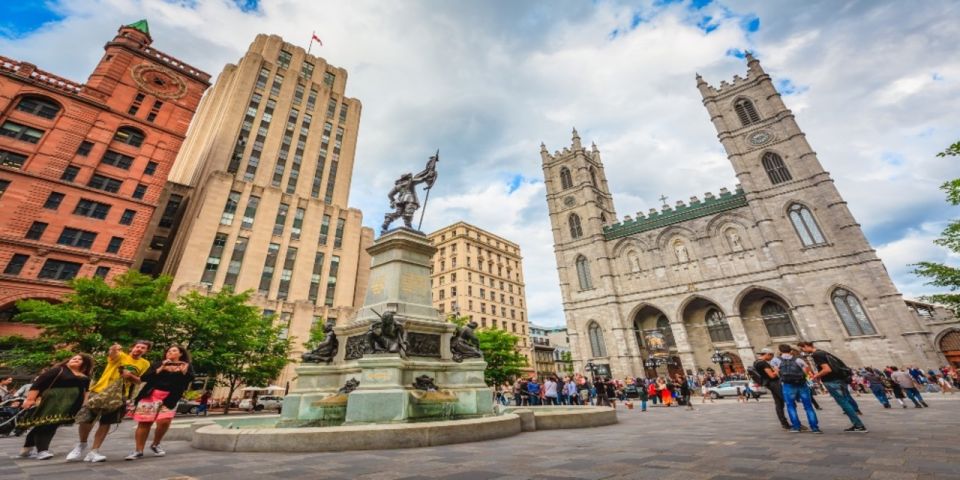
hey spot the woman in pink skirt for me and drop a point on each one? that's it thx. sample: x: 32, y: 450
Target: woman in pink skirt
x: 164, y: 384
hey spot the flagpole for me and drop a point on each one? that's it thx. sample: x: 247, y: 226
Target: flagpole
x: 311, y: 42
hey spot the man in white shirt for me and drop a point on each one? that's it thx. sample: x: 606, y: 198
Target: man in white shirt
x: 550, y: 392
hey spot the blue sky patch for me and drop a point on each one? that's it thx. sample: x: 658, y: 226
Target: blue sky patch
x: 736, y: 53
x: 707, y: 24
x: 247, y: 5
x: 786, y: 87
x: 893, y: 158
x: 514, y: 183
x: 698, y: 4
x: 936, y: 76
x: 750, y: 23
x: 22, y: 17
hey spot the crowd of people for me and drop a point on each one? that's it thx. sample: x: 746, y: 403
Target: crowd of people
x: 129, y: 385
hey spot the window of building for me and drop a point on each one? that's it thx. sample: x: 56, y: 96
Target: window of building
x: 73, y: 237
x: 140, y: 191
x: 236, y: 261
x: 84, y: 149
x: 21, y: 132
x: 158, y: 242
x: 70, y: 173
x: 59, y: 270
x: 106, y: 184
x: 230, y: 208
x: 149, y: 267
x: 130, y: 136
x: 114, y: 245
x: 287, y: 273
x: 583, y: 273
x: 36, y: 230
x: 746, y: 112
x: 213, y: 259
x: 297, y: 223
x: 324, y: 229
x: 805, y: 225
x: 127, y: 217
x: 101, y: 272
x: 135, y: 106
x: 777, y: 320
x: 852, y: 314
x: 154, y: 110
x: 717, y: 326
x: 575, y: 230
x: 283, y: 60
x: 53, y: 201
x: 262, y: 78
x: 597, y: 347
x: 338, y: 233
x: 116, y: 159
x: 312, y: 99
x: 250, y: 212
x: 332, y: 280
x: 566, y: 180
x: 281, y: 219
x: 328, y: 78
x: 16, y: 264
x: 92, y: 209
x: 169, y: 215
x: 776, y: 170
x: 315, y: 276
x: 150, y: 169
x: 277, y: 84
x: 266, y: 277
x: 12, y: 159
x: 298, y: 91
x: 39, y: 106
x: 306, y: 69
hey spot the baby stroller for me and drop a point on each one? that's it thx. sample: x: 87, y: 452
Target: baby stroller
x: 9, y: 413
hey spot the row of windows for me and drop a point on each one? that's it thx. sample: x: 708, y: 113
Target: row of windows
x: 52, y: 269
x: 441, y: 294
x: 72, y: 237
x: 480, y: 238
x: 505, y: 286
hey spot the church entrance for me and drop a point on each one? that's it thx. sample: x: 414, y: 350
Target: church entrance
x: 655, y: 340
x: 950, y: 346
x: 735, y: 367
x: 767, y: 318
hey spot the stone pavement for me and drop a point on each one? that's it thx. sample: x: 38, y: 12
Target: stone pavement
x: 717, y: 441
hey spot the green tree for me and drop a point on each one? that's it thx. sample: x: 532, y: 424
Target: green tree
x: 942, y: 275
x: 316, y: 336
x: 567, y: 359
x: 500, y: 352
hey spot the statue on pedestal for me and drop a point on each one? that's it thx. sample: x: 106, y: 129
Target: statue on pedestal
x: 403, y: 195
x: 387, y: 335
x: 424, y: 382
x: 464, y: 343
x: 350, y: 386
x: 327, y: 349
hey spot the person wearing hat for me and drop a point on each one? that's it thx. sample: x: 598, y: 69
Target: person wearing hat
x: 771, y: 379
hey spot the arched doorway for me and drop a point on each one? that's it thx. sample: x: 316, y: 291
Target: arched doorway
x: 950, y: 346
x: 767, y: 318
x: 735, y: 366
x: 707, y: 330
x: 655, y: 339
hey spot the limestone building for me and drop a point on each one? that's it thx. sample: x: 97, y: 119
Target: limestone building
x: 480, y: 275
x: 544, y: 353
x: 258, y: 197
x: 778, y: 259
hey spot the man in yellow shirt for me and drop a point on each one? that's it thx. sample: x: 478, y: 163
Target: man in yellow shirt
x: 129, y: 367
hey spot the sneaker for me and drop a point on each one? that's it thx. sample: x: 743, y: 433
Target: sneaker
x: 44, y: 455
x: 134, y: 456
x: 924, y: 404
x: 794, y: 430
x: 803, y: 428
x: 856, y: 429
x: 77, y: 453
x: 859, y: 412
x: 95, y: 457
x: 27, y: 453
x: 817, y: 431
x: 157, y: 451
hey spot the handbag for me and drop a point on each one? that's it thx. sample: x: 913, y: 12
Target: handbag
x: 28, y: 417
x: 108, y: 400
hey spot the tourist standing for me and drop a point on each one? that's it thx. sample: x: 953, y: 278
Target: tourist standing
x: 875, y: 380
x: 164, y: 384
x: 5, y: 385
x: 835, y: 376
x: 106, y: 403
x: 533, y: 392
x: 771, y: 379
x: 610, y: 386
x: 792, y: 371
x: 909, y: 386
x: 204, y: 403
x: 55, y: 396
x: 550, y: 392
x: 685, y: 391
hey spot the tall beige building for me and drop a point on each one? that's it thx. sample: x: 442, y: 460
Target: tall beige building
x: 480, y: 275
x: 258, y: 196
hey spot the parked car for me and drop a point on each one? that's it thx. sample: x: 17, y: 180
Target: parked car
x: 729, y: 389
x: 267, y: 402
x: 187, y: 406
x: 631, y: 391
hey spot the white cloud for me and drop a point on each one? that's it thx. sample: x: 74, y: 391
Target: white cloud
x: 486, y: 82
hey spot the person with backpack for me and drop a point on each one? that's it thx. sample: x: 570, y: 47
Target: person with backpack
x: 767, y: 376
x: 793, y: 381
x: 877, y: 386
x: 835, y: 375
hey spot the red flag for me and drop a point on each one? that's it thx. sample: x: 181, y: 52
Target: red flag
x: 315, y: 37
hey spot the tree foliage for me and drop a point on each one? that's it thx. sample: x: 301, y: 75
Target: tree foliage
x: 942, y: 275
x: 499, y: 351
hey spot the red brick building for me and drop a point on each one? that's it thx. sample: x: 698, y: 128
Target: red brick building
x: 82, y: 166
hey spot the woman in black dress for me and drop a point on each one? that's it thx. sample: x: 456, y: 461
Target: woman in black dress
x: 55, y: 397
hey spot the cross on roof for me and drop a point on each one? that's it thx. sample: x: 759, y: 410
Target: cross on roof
x: 663, y: 199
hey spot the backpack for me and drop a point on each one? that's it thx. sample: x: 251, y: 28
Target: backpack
x: 841, y: 369
x: 791, y: 373
x: 755, y: 375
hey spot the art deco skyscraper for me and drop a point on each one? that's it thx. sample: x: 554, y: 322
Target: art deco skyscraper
x: 258, y: 196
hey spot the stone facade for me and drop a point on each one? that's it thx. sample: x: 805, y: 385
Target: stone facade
x: 258, y: 196
x: 82, y: 166
x: 480, y: 275
x: 779, y: 259
x: 544, y: 352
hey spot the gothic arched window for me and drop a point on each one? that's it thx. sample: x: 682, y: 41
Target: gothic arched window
x: 806, y: 226
x: 775, y: 168
x: 777, y: 320
x: 575, y: 230
x: 746, y: 112
x: 583, y: 273
x: 596, y: 340
x: 852, y: 314
x: 129, y: 135
x: 39, y: 106
x: 593, y: 177
x: 664, y: 326
x: 717, y: 327
x: 566, y: 181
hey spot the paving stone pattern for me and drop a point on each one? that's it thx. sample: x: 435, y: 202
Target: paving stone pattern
x: 717, y: 441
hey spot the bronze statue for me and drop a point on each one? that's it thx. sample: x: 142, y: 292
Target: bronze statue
x: 350, y: 386
x: 327, y: 349
x: 387, y: 335
x: 403, y: 195
x: 464, y: 343
x: 424, y: 382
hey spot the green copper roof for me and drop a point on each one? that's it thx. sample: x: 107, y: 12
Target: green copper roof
x: 141, y: 25
x: 668, y: 216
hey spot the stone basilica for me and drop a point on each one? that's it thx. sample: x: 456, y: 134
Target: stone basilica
x: 778, y: 260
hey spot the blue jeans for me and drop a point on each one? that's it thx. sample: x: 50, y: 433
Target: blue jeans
x: 914, y: 394
x: 791, y: 394
x: 838, y: 390
x: 880, y: 393
x: 643, y: 405
x: 534, y: 399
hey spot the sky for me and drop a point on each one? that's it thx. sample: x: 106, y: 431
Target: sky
x: 874, y: 85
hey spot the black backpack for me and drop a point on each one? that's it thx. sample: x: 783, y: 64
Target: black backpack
x: 756, y: 375
x: 841, y: 369
x: 791, y: 373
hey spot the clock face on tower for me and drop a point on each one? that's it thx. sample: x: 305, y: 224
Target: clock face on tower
x: 159, y: 81
x: 569, y: 201
x: 760, y: 137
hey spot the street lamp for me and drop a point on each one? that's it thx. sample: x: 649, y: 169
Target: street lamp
x: 592, y: 369
x: 721, y: 358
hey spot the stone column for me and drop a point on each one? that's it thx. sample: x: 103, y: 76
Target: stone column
x: 684, y: 349
x: 744, y: 348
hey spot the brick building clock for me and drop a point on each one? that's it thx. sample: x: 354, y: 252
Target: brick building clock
x: 159, y: 81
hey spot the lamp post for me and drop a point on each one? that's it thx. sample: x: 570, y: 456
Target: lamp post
x: 592, y: 369
x: 721, y: 358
